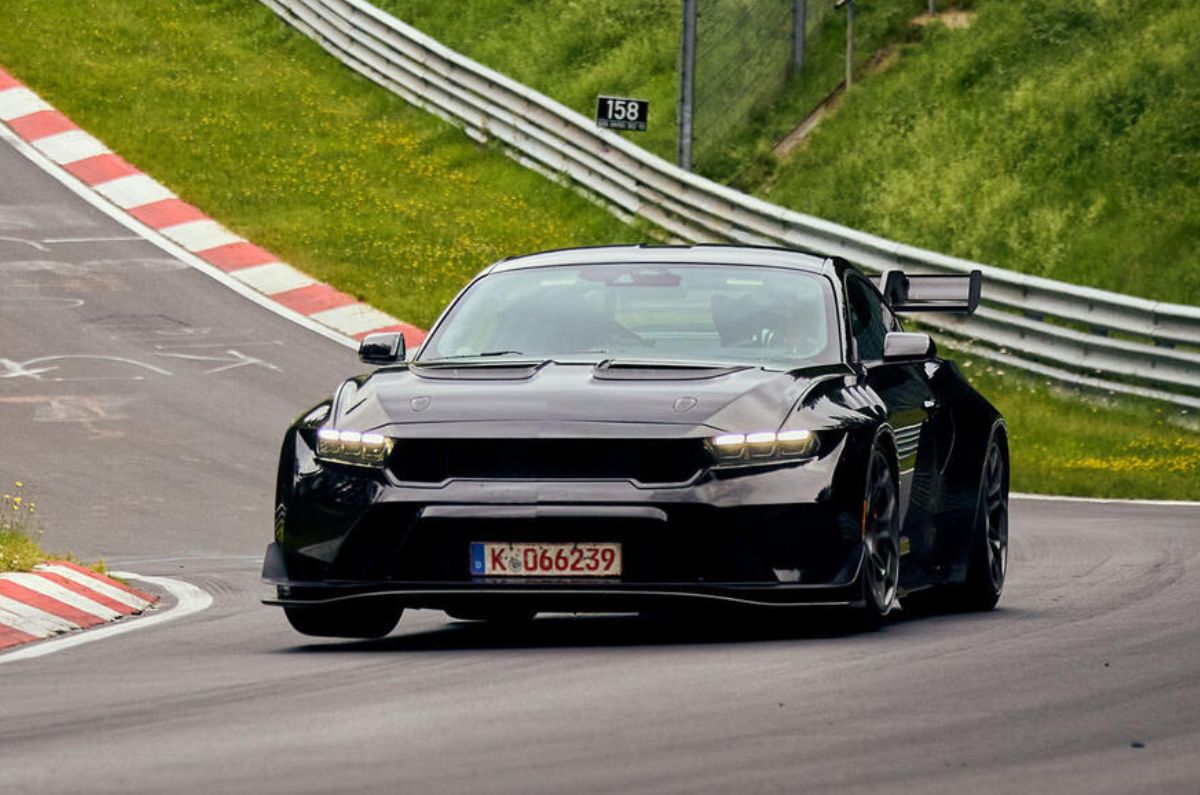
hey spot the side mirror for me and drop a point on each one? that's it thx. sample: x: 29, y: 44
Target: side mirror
x: 382, y: 349
x: 902, y: 346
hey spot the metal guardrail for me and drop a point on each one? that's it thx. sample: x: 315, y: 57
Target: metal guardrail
x: 1078, y: 334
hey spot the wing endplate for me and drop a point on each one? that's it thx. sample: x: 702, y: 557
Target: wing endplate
x: 943, y: 292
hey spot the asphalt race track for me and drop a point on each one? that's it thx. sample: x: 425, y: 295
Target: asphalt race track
x: 146, y: 401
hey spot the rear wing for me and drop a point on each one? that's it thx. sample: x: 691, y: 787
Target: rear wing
x: 951, y: 292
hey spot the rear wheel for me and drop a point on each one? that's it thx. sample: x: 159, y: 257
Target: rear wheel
x: 372, y: 619
x: 989, y: 546
x: 880, y: 535
x: 988, y: 563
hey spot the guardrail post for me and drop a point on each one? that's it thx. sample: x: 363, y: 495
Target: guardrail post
x: 687, y: 83
x: 849, y: 4
x: 799, y: 31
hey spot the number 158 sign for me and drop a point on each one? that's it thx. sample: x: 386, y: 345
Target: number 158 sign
x: 621, y: 113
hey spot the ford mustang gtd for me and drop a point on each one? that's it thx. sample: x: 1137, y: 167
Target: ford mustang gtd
x: 634, y: 428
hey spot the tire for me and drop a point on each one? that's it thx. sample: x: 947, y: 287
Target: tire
x: 493, y: 616
x: 372, y: 619
x: 988, y: 564
x: 881, y: 538
x: 989, y: 544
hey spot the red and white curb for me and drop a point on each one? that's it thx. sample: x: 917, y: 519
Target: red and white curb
x: 61, y: 596
x: 143, y: 200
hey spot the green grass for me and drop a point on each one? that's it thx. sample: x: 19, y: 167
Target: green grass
x: 19, y: 530
x: 1054, y: 137
x: 255, y: 124
x: 1068, y: 442
x: 18, y: 552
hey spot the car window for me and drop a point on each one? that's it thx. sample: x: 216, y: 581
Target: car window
x: 867, y: 318
x: 692, y: 312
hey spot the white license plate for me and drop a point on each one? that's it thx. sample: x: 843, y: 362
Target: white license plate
x: 505, y: 559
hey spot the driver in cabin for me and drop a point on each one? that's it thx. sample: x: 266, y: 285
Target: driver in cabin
x: 780, y: 322
x: 784, y: 325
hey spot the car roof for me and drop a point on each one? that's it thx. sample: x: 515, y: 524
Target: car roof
x: 706, y: 254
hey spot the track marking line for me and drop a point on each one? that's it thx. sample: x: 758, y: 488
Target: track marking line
x: 32, y: 620
x: 189, y: 599
x: 87, y: 592
x: 42, y: 124
x: 67, y: 147
x: 101, y: 587
x: 51, y: 601
x: 354, y: 318
x: 235, y: 256
x: 166, y: 213
x: 273, y: 277
x: 131, y: 191
x: 100, y: 168
x: 1103, y: 500
x: 18, y: 102
x: 313, y: 299
x: 200, y: 235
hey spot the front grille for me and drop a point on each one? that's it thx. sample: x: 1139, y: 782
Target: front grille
x: 640, y: 460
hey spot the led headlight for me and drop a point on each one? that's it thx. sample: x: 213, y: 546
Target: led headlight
x: 763, y: 446
x: 352, y: 447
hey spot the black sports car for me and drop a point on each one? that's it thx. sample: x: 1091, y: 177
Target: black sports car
x: 635, y: 428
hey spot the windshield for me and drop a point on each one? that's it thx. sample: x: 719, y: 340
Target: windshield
x: 642, y: 312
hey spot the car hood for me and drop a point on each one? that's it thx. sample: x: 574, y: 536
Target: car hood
x: 548, y: 394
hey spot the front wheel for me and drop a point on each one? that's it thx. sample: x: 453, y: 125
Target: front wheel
x: 880, y: 535
x: 363, y: 620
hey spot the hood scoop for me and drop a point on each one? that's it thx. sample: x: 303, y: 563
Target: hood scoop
x: 500, y: 371
x: 610, y: 370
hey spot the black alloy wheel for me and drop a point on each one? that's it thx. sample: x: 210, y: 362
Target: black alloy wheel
x: 880, y: 534
x: 364, y: 620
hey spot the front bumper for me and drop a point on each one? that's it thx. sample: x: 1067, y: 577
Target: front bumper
x: 562, y: 595
x: 768, y: 537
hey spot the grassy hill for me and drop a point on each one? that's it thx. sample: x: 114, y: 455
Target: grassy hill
x: 1055, y: 137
